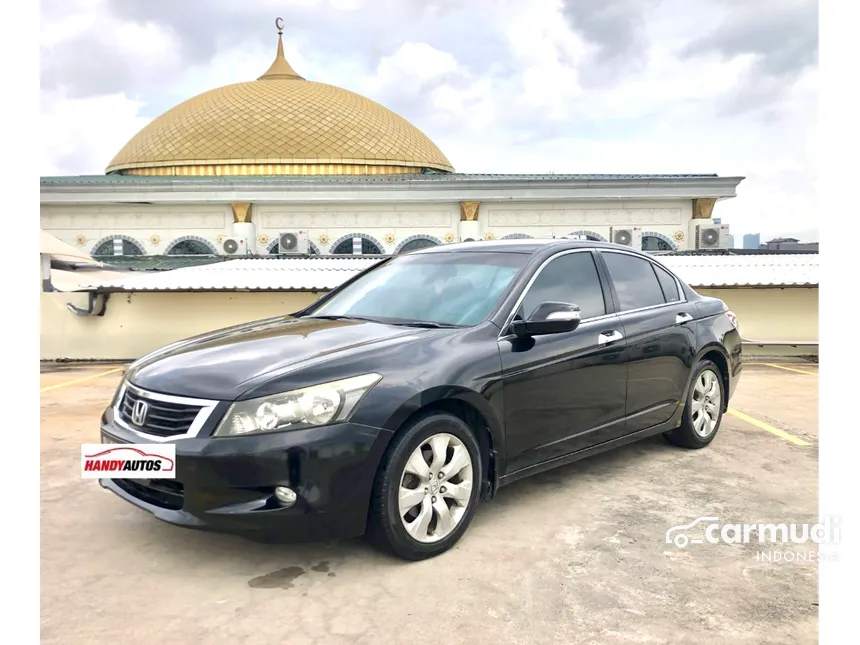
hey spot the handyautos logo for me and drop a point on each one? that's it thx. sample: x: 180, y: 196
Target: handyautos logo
x: 825, y: 532
x: 128, y: 461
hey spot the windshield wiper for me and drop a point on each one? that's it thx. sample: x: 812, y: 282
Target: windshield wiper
x: 427, y: 324
x: 335, y: 317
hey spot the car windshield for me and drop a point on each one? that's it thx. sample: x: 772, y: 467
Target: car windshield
x: 434, y: 288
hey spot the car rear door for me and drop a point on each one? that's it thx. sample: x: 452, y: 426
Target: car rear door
x: 660, y: 334
x: 564, y: 392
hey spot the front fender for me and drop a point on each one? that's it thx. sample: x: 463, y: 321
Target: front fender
x: 473, y: 399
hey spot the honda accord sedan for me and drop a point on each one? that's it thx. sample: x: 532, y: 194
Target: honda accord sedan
x: 397, y: 402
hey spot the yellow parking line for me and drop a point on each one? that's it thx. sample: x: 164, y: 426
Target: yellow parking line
x: 783, y: 367
x: 768, y: 428
x: 80, y: 380
x: 790, y: 369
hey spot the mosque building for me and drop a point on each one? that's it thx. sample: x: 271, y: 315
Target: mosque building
x: 284, y: 165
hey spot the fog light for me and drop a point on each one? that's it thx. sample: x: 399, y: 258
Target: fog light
x: 286, y: 496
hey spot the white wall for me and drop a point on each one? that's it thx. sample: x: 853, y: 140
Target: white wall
x: 563, y: 218
x: 326, y: 223
x: 136, y: 323
x: 138, y: 221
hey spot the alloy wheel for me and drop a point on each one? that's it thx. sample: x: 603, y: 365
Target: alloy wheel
x: 435, y: 488
x: 706, y: 405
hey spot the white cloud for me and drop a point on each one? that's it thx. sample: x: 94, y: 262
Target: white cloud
x: 81, y: 136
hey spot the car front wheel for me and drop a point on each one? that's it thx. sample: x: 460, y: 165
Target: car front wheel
x: 426, y: 489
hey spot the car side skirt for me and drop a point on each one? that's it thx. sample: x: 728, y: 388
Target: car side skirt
x: 671, y: 424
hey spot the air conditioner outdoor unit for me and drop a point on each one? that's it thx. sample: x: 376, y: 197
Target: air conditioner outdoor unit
x: 293, y: 243
x: 626, y: 236
x: 711, y: 236
x: 235, y: 246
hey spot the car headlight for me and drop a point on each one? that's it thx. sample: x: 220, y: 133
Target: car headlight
x: 307, y: 407
x: 115, y: 399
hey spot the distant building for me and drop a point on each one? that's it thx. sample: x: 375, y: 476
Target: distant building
x: 789, y: 244
x: 731, y: 241
x: 752, y: 240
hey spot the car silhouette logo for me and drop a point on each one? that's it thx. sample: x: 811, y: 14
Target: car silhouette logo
x: 675, y: 535
x: 138, y: 412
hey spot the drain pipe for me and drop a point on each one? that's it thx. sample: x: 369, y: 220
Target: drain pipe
x: 46, y: 273
x: 91, y: 296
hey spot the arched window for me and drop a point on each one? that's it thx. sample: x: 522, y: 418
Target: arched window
x: 517, y: 236
x: 190, y: 245
x: 272, y: 249
x: 415, y: 242
x: 356, y: 244
x: 590, y: 235
x: 653, y: 241
x: 118, y: 245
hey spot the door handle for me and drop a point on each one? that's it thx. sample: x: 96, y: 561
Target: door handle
x: 606, y: 337
x: 680, y: 319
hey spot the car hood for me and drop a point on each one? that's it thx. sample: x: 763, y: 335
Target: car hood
x: 224, y: 364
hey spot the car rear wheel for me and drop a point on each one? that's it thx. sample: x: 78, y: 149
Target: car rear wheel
x: 426, y: 490
x: 704, y: 409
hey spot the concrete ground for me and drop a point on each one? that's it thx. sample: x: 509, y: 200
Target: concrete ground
x: 575, y: 555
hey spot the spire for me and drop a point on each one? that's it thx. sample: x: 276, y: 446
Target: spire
x: 280, y: 69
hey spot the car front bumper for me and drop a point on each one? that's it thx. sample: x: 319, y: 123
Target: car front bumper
x: 226, y: 484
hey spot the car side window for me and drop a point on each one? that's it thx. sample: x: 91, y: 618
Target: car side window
x: 635, y: 282
x: 570, y: 278
x: 670, y: 286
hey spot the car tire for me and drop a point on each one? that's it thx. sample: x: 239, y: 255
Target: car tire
x: 425, y: 529
x: 703, y: 411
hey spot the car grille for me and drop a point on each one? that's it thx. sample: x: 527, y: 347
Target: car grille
x: 165, y: 493
x: 162, y: 418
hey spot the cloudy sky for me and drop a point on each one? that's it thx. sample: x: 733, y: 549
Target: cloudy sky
x: 533, y: 86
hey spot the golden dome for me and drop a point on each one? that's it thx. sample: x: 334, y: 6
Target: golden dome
x: 279, y: 124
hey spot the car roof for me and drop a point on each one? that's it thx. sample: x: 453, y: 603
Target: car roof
x: 528, y: 246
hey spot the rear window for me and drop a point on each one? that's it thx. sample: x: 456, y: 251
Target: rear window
x: 668, y: 284
x: 635, y: 282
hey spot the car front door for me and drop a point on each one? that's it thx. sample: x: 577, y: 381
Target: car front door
x: 660, y: 341
x: 564, y: 392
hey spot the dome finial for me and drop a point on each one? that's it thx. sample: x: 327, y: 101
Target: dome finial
x: 280, y: 69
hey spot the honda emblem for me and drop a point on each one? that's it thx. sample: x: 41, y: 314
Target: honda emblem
x: 138, y: 412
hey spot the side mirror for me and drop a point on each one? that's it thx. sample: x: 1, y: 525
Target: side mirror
x: 548, y: 318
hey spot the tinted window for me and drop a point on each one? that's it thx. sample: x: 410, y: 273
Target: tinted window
x: 670, y: 287
x: 570, y: 278
x: 634, y: 280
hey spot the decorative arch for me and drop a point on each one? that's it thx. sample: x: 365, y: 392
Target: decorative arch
x: 367, y: 245
x: 272, y: 249
x: 657, y: 242
x: 590, y: 235
x: 130, y: 246
x: 517, y: 236
x: 190, y: 245
x: 413, y: 242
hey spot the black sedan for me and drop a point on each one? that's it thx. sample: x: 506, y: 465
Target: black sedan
x: 396, y: 402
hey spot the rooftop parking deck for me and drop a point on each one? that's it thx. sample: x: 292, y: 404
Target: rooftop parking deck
x: 574, y: 555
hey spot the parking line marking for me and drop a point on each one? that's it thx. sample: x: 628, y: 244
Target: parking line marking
x: 791, y: 369
x: 768, y: 428
x: 80, y: 380
x: 783, y: 367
